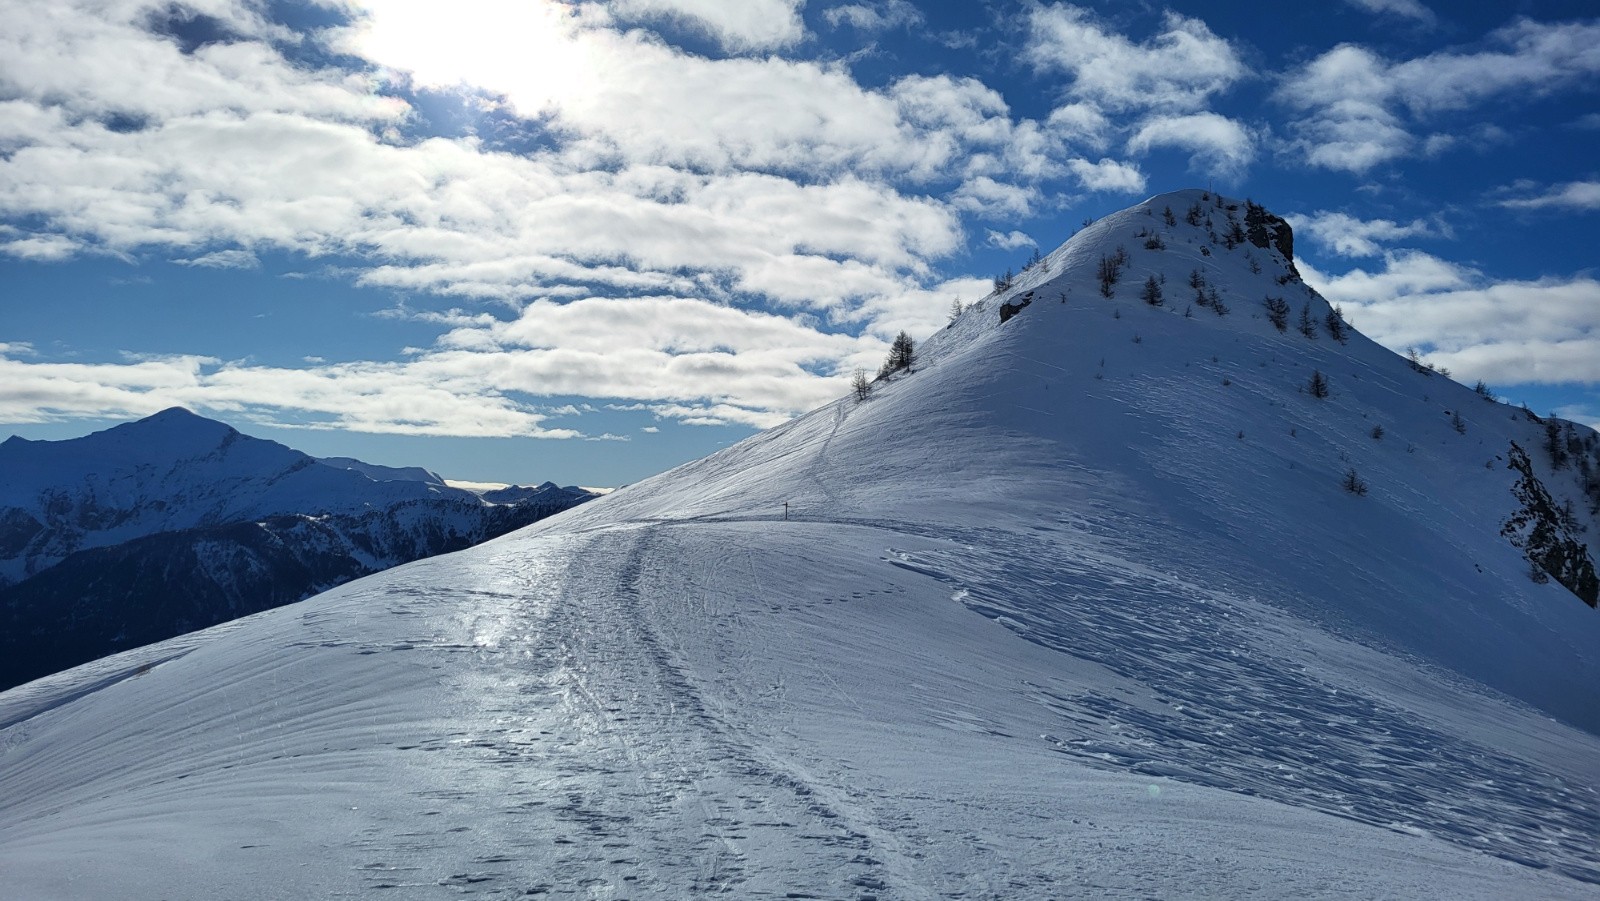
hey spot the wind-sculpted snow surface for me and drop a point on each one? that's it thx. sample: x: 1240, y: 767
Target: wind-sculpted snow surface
x: 1056, y: 614
x: 1232, y: 706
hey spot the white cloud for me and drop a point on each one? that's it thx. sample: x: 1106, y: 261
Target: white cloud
x: 373, y: 397
x: 311, y: 163
x: 660, y: 350
x: 1360, y: 108
x: 1107, y: 175
x: 41, y: 248
x: 1576, y: 195
x: 223, y: 259
x: 98, y: 60
x: 1219, y: 145
x: 1406, y: 9
x: 736, y: 24
x: 689, y: 359
x: 1009, y: 240
x: 1350, y: 126
x: 1082, y: 122
x: 1505, y: 332
x: 990, y: 198
x: 1349, y: 236
x: 871, y: 17
x: 917, y: 311
x: 1536, y: 58
x: 1179, y: 69
x: 451, y: 217
x: 630, y: 97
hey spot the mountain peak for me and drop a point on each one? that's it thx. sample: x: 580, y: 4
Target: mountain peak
x: 1221, y: 266
x: 174, y: 424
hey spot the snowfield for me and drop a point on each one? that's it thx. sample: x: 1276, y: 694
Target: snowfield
x: 1061, y: 613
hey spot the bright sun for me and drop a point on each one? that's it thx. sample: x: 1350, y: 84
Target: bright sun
x: 532, y: 51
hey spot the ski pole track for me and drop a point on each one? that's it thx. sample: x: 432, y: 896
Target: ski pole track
x: 1231, y: 714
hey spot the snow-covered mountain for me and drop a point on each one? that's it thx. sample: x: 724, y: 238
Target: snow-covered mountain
x: 176, y: 522
x: 1102, y: 598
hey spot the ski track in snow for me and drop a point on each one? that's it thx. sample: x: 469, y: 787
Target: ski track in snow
x: 611, y: 775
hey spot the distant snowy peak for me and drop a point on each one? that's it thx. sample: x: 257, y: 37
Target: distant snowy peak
x: 517, y: 494
x: 384, y: 473
x: 156, y: 527
x: 176, y: 471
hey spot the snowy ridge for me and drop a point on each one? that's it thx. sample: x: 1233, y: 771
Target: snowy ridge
x: 1057, y: 613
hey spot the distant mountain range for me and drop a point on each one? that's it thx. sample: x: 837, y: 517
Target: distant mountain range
x: 177, y: 522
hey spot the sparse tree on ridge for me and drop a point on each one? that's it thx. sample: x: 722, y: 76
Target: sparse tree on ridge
x: 860, y: 385
x: 1108, y: 270
x: 1334, y: 321
x: 1415, y: 360
x: 1235, y: 235
x: 956, y: 309
x: 1318, y: 386
x: 902, y: 355
x: 1553, y: 445
x: 1307, y: 328
x: 903, y: 351
x: 1278, y: 313
x: 1152, y: 292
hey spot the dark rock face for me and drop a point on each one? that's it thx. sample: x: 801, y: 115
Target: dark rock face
x: 1013, y: 307
x: 1546, y: 536
x: 18, y: 529
x: 1265, y: 230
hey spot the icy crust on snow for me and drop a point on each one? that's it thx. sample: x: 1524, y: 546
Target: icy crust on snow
x: 1041, y: 623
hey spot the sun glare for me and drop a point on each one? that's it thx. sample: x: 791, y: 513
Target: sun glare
x: 532, y: 51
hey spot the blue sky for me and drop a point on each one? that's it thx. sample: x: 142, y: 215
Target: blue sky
x: 518, y: 241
